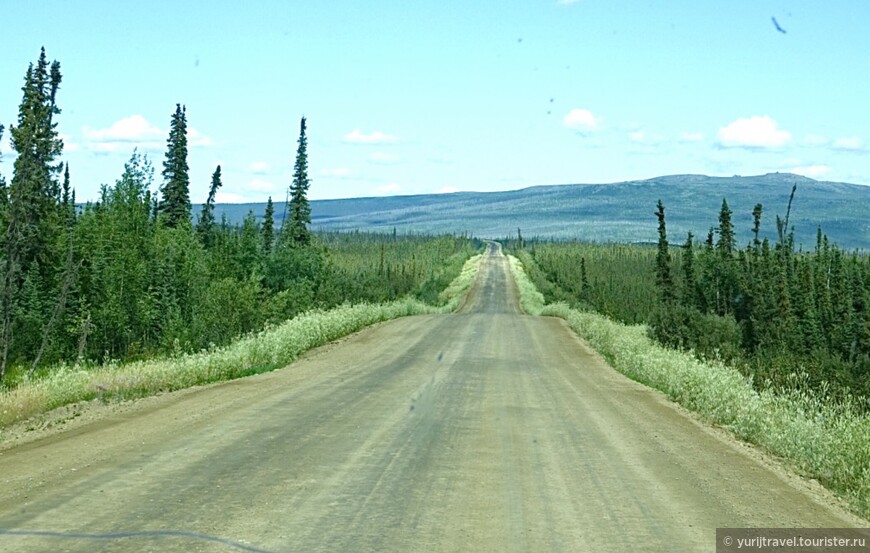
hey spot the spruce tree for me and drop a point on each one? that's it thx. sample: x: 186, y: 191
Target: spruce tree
x: 810, y: 332
x: 4, y: 202
x: 31, y: 224
x: 726, y: 231
x: 691, y: 294
x: 175, y: 203
x: 250, y: 248
x: 66, y: 186
x: 268, y: 230
x: 68, y: 199
x: 663, y: 259
x: 296, y: 231
x: 585, y: 289
x: 756, y: 227
x: 35, y: 139
x: 4, y: 209
x: 2, y: 128
x: 726, y: 274
x: 206, y: 218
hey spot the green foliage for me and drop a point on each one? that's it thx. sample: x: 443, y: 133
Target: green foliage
x: 770, y: 312
x: 824, y: 436
x: 32, y: 212
x: 531, y: 300
x: 228, y: 308
x: 290, y: 267
x: 4, y: 207
x: 383, y: 267
x: 269, y: 348
x: 144, y: 288
x: 620, y: 278
x: 663, y: 259
x: 296, y: 232
x: 175, y: 201
x: 708, y: 335
x: 205, y: 225
x: 268, y: 229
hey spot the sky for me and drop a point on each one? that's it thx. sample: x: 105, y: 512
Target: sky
x: 428, y: 97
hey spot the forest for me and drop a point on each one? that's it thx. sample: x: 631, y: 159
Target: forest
x: 140, y: 272
x: 785, y: 317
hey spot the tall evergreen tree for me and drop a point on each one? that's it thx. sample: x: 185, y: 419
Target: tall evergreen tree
x: 35, y: 139
x: 585, y: 289
x: 809, y: 329
x: 663, y: 259
x: 175, y: 203
x: 725, y: 245
x: 268, y: 230
x: 726, y: 271
x: 756, y: 227
x: 66, y: 186
x: 204, y: 226
x: 68, y: 199
x: 4, y: 209
x: 31, y: 224
x: 250, y: 244
x: 692, y: 296
x: 296, y: 230
x: 4, y: 203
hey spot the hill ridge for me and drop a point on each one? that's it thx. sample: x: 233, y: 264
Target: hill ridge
x: 608, y: 212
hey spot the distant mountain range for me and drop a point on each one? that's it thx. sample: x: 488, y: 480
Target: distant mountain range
x: 618, y: 212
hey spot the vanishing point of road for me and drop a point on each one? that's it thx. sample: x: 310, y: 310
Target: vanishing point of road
x: 483, y: 430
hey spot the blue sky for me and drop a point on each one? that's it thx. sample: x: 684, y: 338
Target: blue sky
x: 420, y: 97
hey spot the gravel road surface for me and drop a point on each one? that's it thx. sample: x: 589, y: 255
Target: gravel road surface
x: 484, y: 430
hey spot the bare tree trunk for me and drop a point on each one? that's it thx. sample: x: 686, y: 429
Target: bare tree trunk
x: 83, y: 338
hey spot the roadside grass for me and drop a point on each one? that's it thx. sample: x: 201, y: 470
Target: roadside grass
x: 822, y: 438
x: 267, y: 350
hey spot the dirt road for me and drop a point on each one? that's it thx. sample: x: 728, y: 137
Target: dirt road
x: 486, y: 430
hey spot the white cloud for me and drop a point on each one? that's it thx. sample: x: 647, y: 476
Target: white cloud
x: 136, y: 131
x: 581, y: 120
x: 5, y: 144
x: 851, y: 143
x: 637, y: 136
x: 691, y: 137
x: 388, y: 188
x: 260, y: 185
x: 810, y: 170
x: 134, y: 128
x: 815, y: 140
x: 110, y: 147
x: 196, y: 138
x: 376, y: 137
x: 383, y: 157
x: 259, y: 167
x: 337, y: 172
x: 758, y: 131
x: 68, y: 144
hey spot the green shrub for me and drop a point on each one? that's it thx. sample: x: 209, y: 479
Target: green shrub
x: 823, y: 437
x: 685, y: 328
x: 263, y: 351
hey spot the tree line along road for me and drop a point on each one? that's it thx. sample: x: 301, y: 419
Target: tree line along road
x: 483, y: 430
